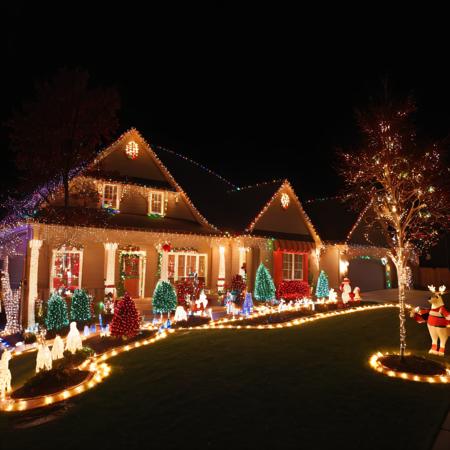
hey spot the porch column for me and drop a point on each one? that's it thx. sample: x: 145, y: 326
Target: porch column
x: 164, y: 266
x: 242, y: 260
x: 221, y: 273
x: 35, y: 245
x: 110, y: 258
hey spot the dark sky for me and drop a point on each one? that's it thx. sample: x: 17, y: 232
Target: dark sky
x: 253, y: 95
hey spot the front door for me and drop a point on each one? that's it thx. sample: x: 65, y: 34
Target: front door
x: 131, y: 268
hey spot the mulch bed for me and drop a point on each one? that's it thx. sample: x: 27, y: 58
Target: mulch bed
x: 49, y: 382
x: 193, y: 321
x: 415, y: 365
x: 103, y: 344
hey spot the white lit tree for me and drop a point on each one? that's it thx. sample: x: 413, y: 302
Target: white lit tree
x: 404, y: 183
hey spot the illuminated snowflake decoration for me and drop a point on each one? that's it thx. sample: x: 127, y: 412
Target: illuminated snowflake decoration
x: 285, y: 200
x: 132, y: 150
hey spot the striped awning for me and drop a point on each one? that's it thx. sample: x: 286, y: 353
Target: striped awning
x: 293, y: 246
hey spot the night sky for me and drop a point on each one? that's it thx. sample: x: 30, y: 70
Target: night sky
x: 253, y: 95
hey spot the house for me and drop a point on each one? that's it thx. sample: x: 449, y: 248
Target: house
x: 350, y: 248
x: 140, y: 213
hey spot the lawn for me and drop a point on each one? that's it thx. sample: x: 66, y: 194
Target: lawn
x: 300, y: 387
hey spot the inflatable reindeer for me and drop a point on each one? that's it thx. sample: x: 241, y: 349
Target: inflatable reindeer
x: 437, y: 319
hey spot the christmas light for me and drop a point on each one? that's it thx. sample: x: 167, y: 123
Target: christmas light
x: 132, y: 149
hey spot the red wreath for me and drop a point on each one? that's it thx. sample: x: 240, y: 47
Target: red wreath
x: 167, y: 247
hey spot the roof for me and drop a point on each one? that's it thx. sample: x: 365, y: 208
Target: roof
x: 336, y: 221
x: 332, y: 218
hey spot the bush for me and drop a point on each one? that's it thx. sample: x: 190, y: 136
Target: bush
x: 71, y: 361
x: 238, y: 286
x: 293, y: 289
x: 50, y: 381
x: 29, y: 338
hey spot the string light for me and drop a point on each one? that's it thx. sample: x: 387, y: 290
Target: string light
x: 132, y: 149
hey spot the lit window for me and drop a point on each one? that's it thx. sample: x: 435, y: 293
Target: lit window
x: 156, y: 203
x: 292, y: 266
x: 110, y: 196
x: 184, y: 265
x: 66, y: 269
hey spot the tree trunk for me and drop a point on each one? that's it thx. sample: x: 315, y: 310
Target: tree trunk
x: 401, y: 303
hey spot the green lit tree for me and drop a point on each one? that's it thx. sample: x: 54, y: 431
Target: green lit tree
x: 57, y: 317
x: 80, y: 308
x: 164, y: 298
x: 264, y: 287
x: 322, y: 289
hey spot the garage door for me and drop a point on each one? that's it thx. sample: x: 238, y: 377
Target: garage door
x: 367, y: 274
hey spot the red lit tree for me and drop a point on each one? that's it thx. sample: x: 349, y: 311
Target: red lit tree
x: 405, y: 185
x: 126, y: 318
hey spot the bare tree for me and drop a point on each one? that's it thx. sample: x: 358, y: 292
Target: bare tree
x: 406, y: 185
x: 61, y: 129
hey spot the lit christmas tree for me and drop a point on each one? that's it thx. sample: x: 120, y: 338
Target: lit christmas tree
x: 57, y: 317
x: 247, y: 307
x: 126, y: 318
x: 164, y: 298
x: 264, y: 287
x: 322, y: 288
x: 80, y: 308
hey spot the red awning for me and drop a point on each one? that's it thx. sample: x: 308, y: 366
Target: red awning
x: 293, y: 246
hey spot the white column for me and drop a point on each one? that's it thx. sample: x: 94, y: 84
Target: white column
x: 221, y: 274
x: 164, y: 266
x: 110, y: 257
x: 242, y: 258
x: 35, y: 245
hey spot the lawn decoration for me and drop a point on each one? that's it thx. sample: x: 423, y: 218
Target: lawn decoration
x: 126, y: 320
x: 43, y: 357
x: 356, y: 294
x: 73, y: 342
x: 247, y: 307
x: 264, y: 287
x: 86, y: 331
x: 346, y: 290
x: 58, y: 348
x: 180, y: 314
x: 201, y: 303
x: 332, y: 296
x: 5, y: 374
x: 322, y: 289
x: 437, y: 319
x: 229, y: 302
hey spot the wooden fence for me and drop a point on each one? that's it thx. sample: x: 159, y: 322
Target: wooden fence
x: 434, y: 275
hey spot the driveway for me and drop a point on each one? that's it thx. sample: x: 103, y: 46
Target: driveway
x: 414, y: 297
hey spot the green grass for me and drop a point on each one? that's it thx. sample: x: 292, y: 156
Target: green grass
x: 300, y: 387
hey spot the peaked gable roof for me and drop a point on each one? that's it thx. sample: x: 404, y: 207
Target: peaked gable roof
x: 161, y: 178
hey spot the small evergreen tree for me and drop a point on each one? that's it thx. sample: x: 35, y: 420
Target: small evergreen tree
x: 57, y: 317
x: 125, y: 322
x: 80, y: 308
x: 264, y: 287
x: 164, y: 298
x: 247, y: 307
x: 322, y: 288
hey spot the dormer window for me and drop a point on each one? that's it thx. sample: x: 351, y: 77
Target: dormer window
x: 110, y: 198
x: 156, y: 203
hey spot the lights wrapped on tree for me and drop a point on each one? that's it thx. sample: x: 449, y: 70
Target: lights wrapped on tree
x: 126, y: 319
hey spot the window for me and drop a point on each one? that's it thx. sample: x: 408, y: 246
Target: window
x: 292, y: 266
x: 156, y: 203
x: 110, y: 196
x: 182, y: 265
x: 66, y: 269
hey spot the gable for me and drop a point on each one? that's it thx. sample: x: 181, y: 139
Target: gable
x: 116, y: 162
x: 276, y: 218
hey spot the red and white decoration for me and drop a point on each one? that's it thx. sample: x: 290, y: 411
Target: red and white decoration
x: 437, y: 319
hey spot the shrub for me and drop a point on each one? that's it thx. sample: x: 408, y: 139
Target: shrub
x: 73, y: 360
x: 29, y: 338
x: 293, y: 289
x: 238, y: 286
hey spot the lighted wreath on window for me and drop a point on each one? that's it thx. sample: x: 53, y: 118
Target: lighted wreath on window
x: 132, y: 150
x: 285, y: 200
